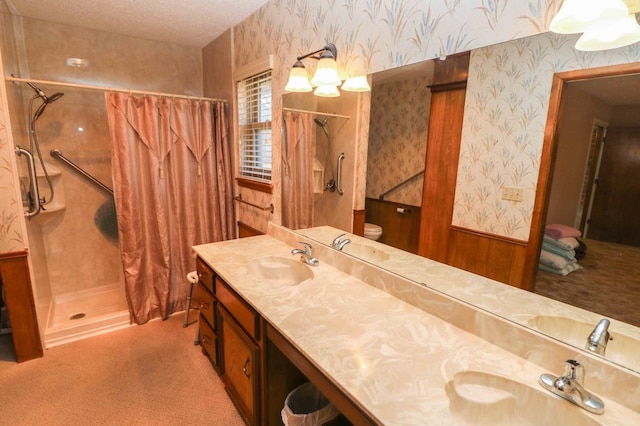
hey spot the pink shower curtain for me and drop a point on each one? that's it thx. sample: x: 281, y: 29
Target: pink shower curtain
x: 297, y: 170
x: 173, y: 189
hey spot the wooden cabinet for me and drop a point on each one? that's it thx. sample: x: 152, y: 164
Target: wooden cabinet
x: 240, y: 371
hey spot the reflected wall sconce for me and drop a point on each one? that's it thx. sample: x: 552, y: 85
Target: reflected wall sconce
x: 326, y: 78
x: 605, y: 24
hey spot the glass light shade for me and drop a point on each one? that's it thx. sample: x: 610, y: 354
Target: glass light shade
x: 298, y: 80
x: 610, y: 34
x: 575, y: 16
x: 327, y: 72
x: 327, y: 91
x: 356, y: 84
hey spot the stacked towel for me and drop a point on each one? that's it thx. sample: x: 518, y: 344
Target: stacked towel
x: 559, y: 246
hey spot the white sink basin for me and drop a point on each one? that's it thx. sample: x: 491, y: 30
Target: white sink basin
x: 279, y: 271
x: 621, y: 348
x: 480, y: 398
x: 365, y: 252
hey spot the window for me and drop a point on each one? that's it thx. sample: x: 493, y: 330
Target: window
x: 254, y: 126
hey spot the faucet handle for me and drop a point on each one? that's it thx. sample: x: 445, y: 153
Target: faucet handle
x: 573, y: 370
x: 336, y: 241
x: 307, y: 247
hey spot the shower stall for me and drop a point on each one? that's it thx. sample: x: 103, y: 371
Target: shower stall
x: 74, y: 256
x: 70, y: 218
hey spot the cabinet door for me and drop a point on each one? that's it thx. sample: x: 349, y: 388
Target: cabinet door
x: 239, y: 366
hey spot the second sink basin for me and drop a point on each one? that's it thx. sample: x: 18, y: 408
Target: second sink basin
x: 279, y: 271
x: 621, y: 348
x: 481, y: 398
x: 365, y: 252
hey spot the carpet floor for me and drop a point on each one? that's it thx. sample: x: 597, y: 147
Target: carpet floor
x: 608, y: 284
x: 142, y: 375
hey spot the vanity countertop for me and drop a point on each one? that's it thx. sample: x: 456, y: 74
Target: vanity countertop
x: 392, y: 357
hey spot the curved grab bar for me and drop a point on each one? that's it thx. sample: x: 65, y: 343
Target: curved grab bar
x: 33, y: 184
x: 340, y: 158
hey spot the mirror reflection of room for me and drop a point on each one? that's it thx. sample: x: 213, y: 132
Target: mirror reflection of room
x: 594, y: 195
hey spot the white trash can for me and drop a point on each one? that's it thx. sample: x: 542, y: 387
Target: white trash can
x: 307, y: 406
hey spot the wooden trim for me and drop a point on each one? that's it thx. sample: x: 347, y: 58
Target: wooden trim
x: 489, y: 236
x: 351, y: 409
x: 16, y: 281
x: 255, y: 185
x: 445, y: 87
x: 547, y: 159
x: 358, y: 222
x: 245, y: 230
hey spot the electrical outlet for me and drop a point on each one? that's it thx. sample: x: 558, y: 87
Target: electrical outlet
x: 512, y: 193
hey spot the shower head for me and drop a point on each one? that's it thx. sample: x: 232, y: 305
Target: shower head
x: 321, y: 123
x: 46, y: 99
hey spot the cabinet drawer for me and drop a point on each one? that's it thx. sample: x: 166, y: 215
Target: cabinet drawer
x: 205, y: 274
x: 205, y: 302
x: 208, y: 341
x: 243, y: 313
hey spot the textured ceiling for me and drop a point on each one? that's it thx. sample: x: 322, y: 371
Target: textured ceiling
x: 186, y: 22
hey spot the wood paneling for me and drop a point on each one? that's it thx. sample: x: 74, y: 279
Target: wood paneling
x: 358, y: 222
x: 245, y: 230
x: 400, y: 230
x: 493, y: 257
x: 14, y: 275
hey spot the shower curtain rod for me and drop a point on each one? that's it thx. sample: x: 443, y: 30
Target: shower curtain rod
x: 325, y: 114
x: 109, y: 89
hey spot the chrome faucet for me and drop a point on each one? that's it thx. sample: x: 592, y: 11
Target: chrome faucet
x: 338, y: 243
x: 597, y: 341
x: 570, y: 386
x: 306, y: 255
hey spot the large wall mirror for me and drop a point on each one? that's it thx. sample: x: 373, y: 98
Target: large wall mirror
x: 590, y: 96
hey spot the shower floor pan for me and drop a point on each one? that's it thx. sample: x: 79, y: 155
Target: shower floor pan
x: 76, y: 316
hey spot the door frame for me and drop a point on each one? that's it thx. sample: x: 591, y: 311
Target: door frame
x: 548, y: 156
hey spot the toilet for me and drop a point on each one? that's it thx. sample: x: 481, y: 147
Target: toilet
x: 372, y: 231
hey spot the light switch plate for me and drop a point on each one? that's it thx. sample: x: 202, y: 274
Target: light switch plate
x: 512, y: 193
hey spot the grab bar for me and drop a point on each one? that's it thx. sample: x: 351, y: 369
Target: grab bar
x: 340, y: 158
x: 55, y: 153
x: 35, y: 192
x: 407, y: 180
x: 265, y: 208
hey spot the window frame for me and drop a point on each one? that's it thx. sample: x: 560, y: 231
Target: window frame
x: 246, y: 73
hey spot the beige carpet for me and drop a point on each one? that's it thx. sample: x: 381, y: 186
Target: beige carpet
x: 143, y: 375
x: 608, y: 284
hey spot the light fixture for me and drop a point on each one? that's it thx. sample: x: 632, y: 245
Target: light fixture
x: 605, y: 24
x: 356, y: 84
x: 327, y: 91
x: 576, y: 16
x: 298, y: 79
x: 326, y: 78
x: 610, y: 34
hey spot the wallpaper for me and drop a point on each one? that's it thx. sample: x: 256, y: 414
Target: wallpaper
x: 11, y: 231
x: 505, y: 115
x: 371, y: 36
x: 398, y: 139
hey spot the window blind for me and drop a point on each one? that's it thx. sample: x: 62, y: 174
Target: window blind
x: 254, y: 126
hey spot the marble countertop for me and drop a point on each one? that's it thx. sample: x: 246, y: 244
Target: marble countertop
x: 394, y: 358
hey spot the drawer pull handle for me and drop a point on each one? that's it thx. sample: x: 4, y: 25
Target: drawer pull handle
x: 206, y: 339
x: 244, y: 368
x: 204, y: 305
